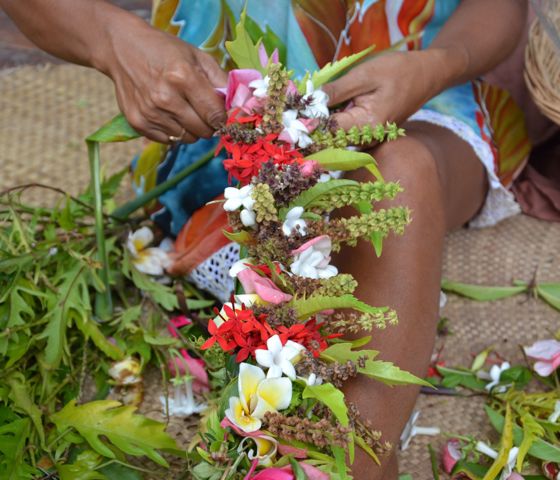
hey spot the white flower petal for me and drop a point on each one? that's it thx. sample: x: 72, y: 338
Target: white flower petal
x: 264, y: 358
x: 249, y: 378
x: 274, y: 344
x: 277, y: 392
x: 248, y: 218
x: 275, y: 371
x: 239, y: 266
x: 287, y: 367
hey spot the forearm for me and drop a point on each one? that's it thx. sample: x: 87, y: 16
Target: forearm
x: 80, y: 31
x: 478, y: 36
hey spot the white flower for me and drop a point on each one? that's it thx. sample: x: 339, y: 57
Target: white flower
x: 239, y: 266
x: 294, y: 221
x: 279, y: 359
x: 152, y: 261
x: 266, y: 449
x: 261, y: 86
x: 126, y: 372
x: 411, y: 430
x: 512, y: 457
x: 183, y: 402
x: 317, y: 102
x: 241, y: 197
x: 312, y: 259
x: 554, y: 416
x: 257, y: 396
x: 494, y: 376
x: 295, y: 130
x: 312, y: 380
x: 328, y: 176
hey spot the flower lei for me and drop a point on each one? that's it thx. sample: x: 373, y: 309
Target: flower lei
x: 282, y: 413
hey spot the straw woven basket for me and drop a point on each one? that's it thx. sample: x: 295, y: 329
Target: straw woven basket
x: 542, y: 65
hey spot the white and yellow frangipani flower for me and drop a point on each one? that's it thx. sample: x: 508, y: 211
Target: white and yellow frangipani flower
x: 265, y: 449
x: 257, y: 396
x: 149, y: 260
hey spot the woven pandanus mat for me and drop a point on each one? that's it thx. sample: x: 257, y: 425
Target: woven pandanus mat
x: 517, y: 249
x: 45, y: 114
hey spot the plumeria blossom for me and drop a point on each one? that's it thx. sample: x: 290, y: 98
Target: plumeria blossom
x: 266, y: 448
x: 294, y: 222
x: 239, y: 266
x: 126, y: 372
x: 257, y: 396
x: 316, y: 102
x: 149, y: 260
x: 507, y: 472
x: 295, y: 131
x: 547, y: 354
x: 411, y: 430
x: 241, y: 197
x: 278, y: 358
x: 312, y: 259
x: 494, y: 376
x: 312, y: 380
x: 264, y: 287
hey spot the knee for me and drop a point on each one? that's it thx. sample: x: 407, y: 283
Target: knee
x: 410, y: 162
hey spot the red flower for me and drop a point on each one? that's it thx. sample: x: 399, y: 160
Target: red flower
x: 241, y: 331
x: 245, y: 160
x: 307, y: 334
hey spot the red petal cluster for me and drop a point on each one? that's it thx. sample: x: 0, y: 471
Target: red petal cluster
x: 307, y: 334
x: 241, y: 331
x: 245, y: 160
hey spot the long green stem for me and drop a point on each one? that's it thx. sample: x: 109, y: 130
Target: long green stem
x: 125, y: 210
x: 103, y: 300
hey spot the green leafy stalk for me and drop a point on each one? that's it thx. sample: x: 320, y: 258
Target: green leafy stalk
x: 103, y: 301
x: 125, y: 210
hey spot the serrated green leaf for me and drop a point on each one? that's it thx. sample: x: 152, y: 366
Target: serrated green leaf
x: 115, y: 130
x: 453, y: 377
x: 331, y: 397
x: 306, y: 307
x: 481, y: 293
x: 162, y: 294
x: 243, y: 237
x: 531, y: 431
x: 340, y: 462
x: 390, y: 374
x: 550, y: 293
x: 116, y: 471
x: 540, y: 448
x: 366, y: 448
x: 23, y: 402
x: 90, y: 330
x: 13, y: 438
x: 242, y: 50
x: 331, y: 70
x: 133, y: 434
x: 345, y: 160
x: 342, y: 352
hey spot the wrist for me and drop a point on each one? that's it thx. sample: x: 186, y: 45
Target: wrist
x: 117, y: 26
x: 448, y: 65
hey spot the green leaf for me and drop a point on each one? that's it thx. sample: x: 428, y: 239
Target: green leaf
x: 331, y: 70
x: 116, y: 471
x: 366, y: 448
x: 434, y: 462
x: 453, y: 377
x: 314, y: 194
x: 550, y: 293
x: 116, y: 130
x: 342, y: 352
x: 480, y: 359
x: 345, y: 160
x: 506, y: 444
x: 540, y: 448
x: 481, y: 293
x: 331, y: 397
x: 133, y: 434
x: 531, y: 431
x: 83, y: 468
x: 243, y: 237
x: 13, y: 439
x: 23, y: 401
x: 340, y: 461
x: 306, y: 307
x: 243, y: 52
x: 390, y: 374
x: 90, y: 330
x: 298, y: 472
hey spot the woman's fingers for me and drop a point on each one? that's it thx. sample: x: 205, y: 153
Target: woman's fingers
x: 365, y: 111
x: 356, y: 82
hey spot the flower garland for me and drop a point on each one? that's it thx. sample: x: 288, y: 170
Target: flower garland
x: 280, y: 412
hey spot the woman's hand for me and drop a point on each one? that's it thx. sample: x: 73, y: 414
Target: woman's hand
x: 391, y: 87
x: 164, y: 86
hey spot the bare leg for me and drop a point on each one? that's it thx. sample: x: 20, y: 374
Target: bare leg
x: 445, y: 185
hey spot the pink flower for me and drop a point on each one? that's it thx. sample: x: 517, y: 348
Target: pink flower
x: 238, y: 93
x: 176, y: 323
x: 264, y: 58
x: 308, y: 167
x: 286, y: 473
x: 515, y: 476
x: 451, y: 454
x: 188, y: 365
x: 264, y: 287
x: 312, y: 259
x: 547, y: 354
